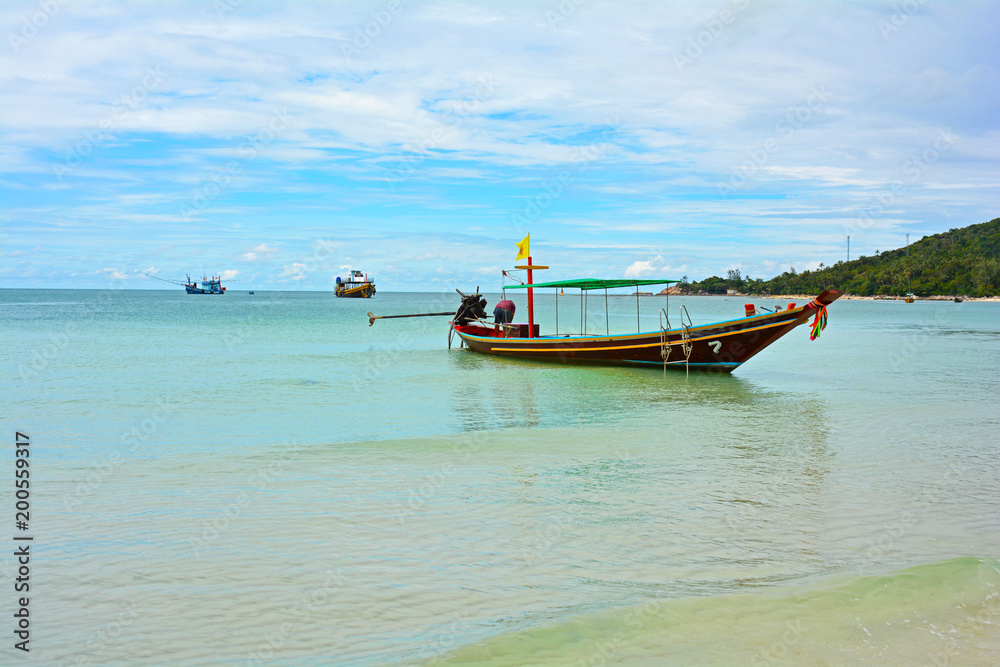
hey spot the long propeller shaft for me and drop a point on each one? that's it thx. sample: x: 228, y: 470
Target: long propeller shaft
x: 372, y: 318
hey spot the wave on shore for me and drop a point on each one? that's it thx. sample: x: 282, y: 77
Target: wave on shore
x: 940, y: 613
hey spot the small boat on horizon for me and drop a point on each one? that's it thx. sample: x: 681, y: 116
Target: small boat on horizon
x: 357, y: 286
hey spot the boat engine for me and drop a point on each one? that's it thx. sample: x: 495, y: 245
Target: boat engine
x: 473, y: 307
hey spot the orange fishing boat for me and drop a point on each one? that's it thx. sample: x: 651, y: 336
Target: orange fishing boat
x: 357, y: 286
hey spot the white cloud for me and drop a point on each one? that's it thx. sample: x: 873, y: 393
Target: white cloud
x: 295, y: 271
x: 261, y: 251
x: 488, y: 271
x: 644, y: 268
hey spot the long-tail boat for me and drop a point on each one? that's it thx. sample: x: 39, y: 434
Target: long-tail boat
x: 720, y: 347
x: 717, y: 347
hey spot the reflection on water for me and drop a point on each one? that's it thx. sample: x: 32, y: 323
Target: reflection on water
x: 495, y: 392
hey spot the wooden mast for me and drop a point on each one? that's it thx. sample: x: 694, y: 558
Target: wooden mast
x: 531, y: 304
x: 531, y: 296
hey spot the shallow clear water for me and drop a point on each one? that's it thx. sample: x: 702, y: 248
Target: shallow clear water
x: 267, y: 479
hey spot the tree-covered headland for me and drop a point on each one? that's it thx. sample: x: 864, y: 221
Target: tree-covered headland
x: 959, y: 262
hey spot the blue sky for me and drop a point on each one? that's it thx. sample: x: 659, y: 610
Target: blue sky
x: 280, y: 143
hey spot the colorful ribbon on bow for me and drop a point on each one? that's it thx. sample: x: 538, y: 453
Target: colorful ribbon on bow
x: 819, y: 323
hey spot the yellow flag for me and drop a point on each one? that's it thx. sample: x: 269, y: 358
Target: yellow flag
x: 522, y: 249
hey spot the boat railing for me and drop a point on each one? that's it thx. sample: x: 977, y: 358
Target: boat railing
x: 664, y: 338
x: 686, y: 315
x: 686, y: 344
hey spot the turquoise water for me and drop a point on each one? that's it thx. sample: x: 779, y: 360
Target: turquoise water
x: 268, y: 480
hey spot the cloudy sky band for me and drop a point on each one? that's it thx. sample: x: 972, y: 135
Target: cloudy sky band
x: 422, y: 140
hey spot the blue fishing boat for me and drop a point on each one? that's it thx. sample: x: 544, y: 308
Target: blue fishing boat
x: 211, y: 285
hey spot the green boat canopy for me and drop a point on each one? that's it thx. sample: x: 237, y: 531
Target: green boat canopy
x: 594, y: 283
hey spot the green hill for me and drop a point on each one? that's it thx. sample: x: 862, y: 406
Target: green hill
x: 962, y: 261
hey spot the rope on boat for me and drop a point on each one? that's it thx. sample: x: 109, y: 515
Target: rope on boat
x: 819, y: 323
x: 508, y: 273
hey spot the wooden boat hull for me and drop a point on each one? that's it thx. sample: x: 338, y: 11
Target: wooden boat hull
x: 720, y: 347
x: 360, y: 292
